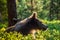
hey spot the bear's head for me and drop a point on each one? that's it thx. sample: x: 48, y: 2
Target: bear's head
x: 34, y: 23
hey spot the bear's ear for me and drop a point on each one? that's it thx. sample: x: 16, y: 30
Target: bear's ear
x: 34, y: 15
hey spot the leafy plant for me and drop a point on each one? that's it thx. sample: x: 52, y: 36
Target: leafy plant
x: 52, y: 33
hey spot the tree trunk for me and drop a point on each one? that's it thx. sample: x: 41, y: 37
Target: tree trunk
x: 58, y: 10
x: 51, y: 10
x: 0, y: 17
x: 11, y: 5
x: 32, y: 6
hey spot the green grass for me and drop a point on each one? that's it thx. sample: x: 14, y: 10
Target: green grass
x: 53, y: 33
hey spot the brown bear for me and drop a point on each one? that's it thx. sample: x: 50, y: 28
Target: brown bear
x: 28, y: 25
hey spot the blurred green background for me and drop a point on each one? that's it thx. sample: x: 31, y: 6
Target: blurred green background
x: 48, y: 12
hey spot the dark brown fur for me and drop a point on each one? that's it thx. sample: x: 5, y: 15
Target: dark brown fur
x: 28, y: 25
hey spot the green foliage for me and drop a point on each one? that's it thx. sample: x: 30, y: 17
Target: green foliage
x: 41, y: 7
x: 52, y: 33
x: 3, y: 10
x: 2, y: 5
x: 22, y: 9
x: 3, y: 25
